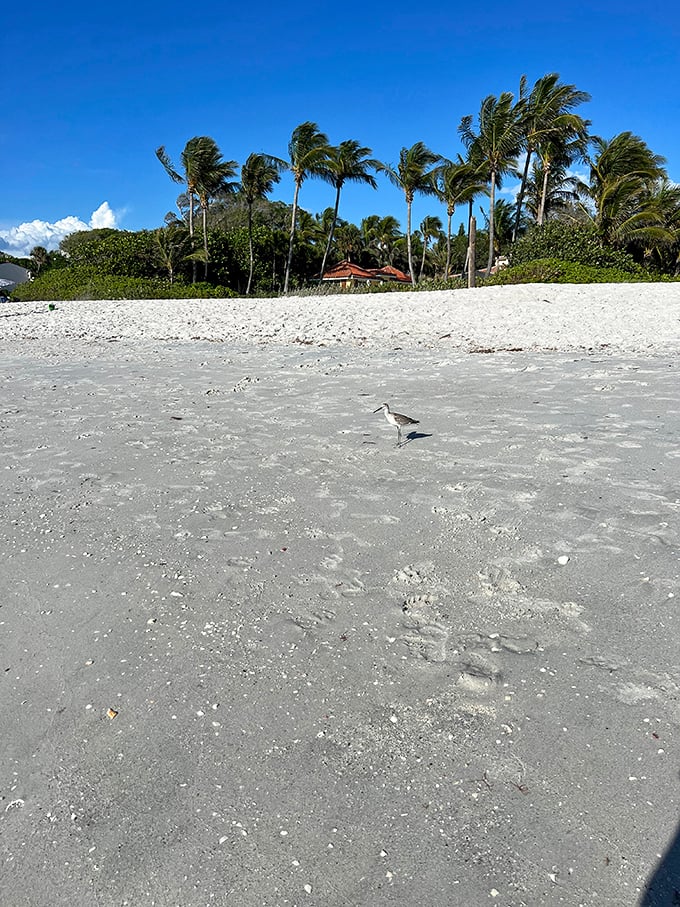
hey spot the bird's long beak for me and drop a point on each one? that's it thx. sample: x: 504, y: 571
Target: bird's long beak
x: 377, y: 410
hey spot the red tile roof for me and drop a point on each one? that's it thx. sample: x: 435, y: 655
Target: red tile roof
x: 348, y: 270
x: 395, y: 273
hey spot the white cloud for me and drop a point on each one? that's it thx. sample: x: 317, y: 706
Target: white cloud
x: 20, y: 240
x: 102, y: 217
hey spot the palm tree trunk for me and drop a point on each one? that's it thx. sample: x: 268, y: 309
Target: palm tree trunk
x: 191, y: 234
x: 422, y: 260
x: 447, y: 268
x: 204, y: 212
x: 330, y: 234
x: 467, y: 254
x: 520, y: 196
x: 544, y: 193
x: 250, y: 248
x: 292, y: 238
x: 409, y: 202
x: 492, y: 205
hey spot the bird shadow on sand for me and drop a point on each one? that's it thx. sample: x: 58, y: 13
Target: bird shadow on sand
x: 414, y: 436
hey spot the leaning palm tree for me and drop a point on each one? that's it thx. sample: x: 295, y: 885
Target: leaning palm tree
x: 493, y: 147
x: 458, y: 182
x: 205, y: 174
x: 414, y: 173
x: 624, y: 173
x: 349, y: 162
x: 545, y: 116
x: 259, y: 174
x: 309, y: 154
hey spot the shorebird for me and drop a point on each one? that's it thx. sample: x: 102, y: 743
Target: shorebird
x: 397, y: 419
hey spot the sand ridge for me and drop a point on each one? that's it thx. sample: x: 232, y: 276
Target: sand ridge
x: 624, y: 317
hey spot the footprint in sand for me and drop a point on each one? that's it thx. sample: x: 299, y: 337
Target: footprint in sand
x: 496, y: 579
x: 414, y: 573
x: 515, y: 645
x: 478, y: 674
x: 428, y: 636
x: 243, y: 383
x: 313, y: 619
x: 331, y: 562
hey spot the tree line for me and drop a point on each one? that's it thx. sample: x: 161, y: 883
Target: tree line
x: 227, y: 227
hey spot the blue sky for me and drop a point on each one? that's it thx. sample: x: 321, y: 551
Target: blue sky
x: 90, y: 90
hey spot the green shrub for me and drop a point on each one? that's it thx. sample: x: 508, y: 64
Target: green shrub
x: 333, y: 289
x: 570, y: 242
x: 123, y: 252
x: 552, y: 270
x: 85, y: 283
x: 440, y: 283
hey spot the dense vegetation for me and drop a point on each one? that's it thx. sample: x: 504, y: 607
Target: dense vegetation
x: 622, y: 222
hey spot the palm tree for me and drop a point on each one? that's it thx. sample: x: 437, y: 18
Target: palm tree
x: 414, y: 173
x: 216, y: 179
x: 309, y: 154
x: 494, y: 147
x: 551, y: 193
x: 665, y: 255
x: 205, y: 174
x: 430, y: 228
x: 545, y: 117
x: 171, y: 246
x: 554, y: 157
x: 504, y: 216
x: 259, y: 174
x: 349, y: 240
x: 381, y: 234
x: 624, y: 174
x: 349, y: 162
x: 458, y: 182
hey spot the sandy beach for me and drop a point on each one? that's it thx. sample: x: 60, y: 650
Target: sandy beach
x: 636, y: 318
x: 253, y: 653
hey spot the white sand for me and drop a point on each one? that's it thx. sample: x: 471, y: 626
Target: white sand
x: 624, y: 317
x: 341, y: 673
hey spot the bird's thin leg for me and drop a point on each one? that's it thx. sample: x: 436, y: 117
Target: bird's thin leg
x: 398, y: 435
